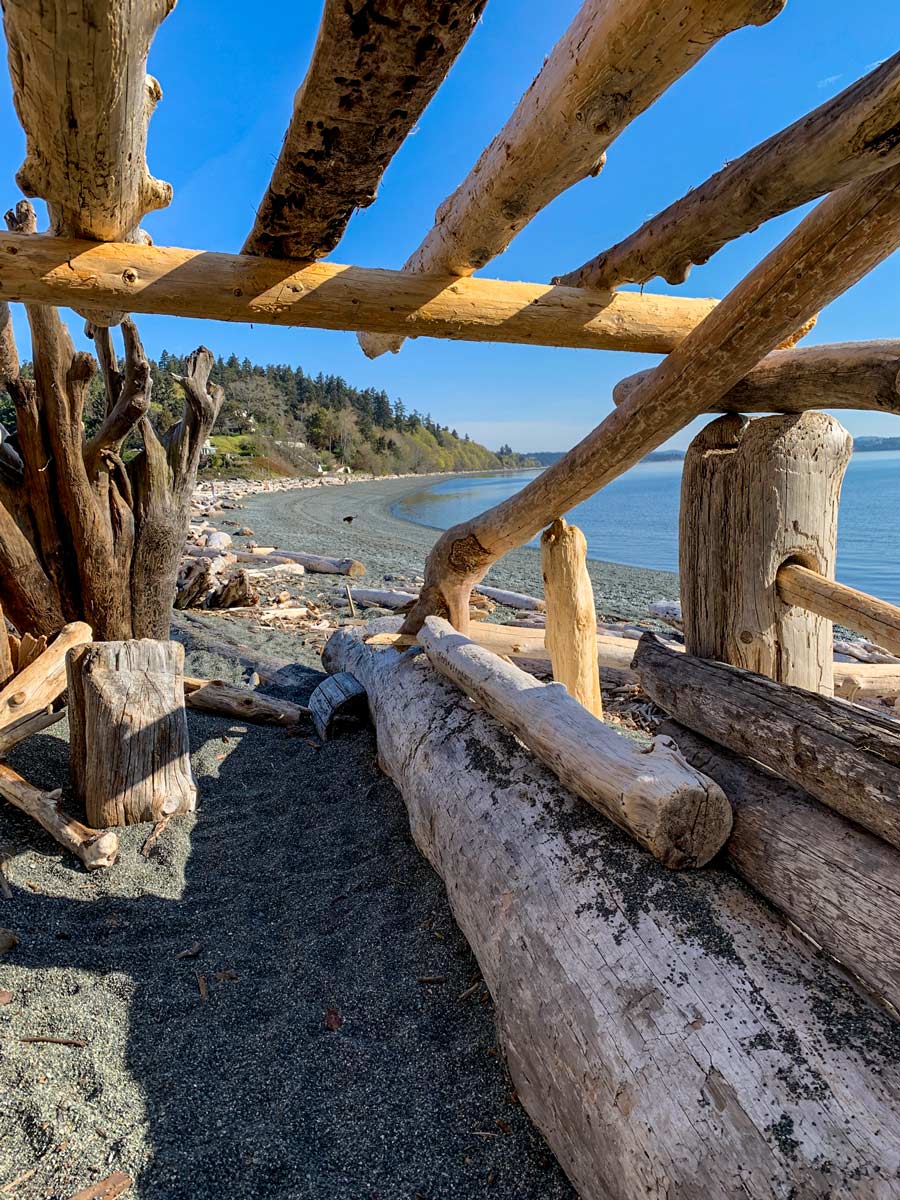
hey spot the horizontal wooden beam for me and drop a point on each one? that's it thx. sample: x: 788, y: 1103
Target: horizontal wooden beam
x: 234, y: 287
x: 865, y: 614
x: 609, y: 66
x: 373, y: 70
x: 863, y: 375
x: 847, y: 138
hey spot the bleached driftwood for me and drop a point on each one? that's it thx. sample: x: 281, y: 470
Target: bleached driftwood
x: 571, y: 631
x: 846, y: 138
x: 834, y: 246
x: 673, y: 811
x: 863, y: 375
x: 95, y: 847
x: 612, y: 62
x: 754, y: 495
x: 246, y: 704
x: 373, y: 70
x: 327, y: 295
x: 518, y: 600
x: 835, y: 601
x: 382, y: 598
x: 25, y: 702
x: 311, y: 562
x: 130, y: 755
x: 845, y: 756
x: 838, y: 883
x: 664, y: 1030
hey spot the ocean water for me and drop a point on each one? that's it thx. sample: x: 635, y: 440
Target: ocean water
x: 635, y: 519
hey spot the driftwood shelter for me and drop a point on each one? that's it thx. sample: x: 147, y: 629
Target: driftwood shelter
x: 657, y: 1059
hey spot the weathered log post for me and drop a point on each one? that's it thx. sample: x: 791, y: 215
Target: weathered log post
x: 571, y: 635
x: 755, y: 495
x: 129, y: 738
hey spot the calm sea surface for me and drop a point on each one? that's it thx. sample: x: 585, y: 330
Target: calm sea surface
x: 635, y: 519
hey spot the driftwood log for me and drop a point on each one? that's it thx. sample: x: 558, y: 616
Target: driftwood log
x: 673, y: 811
x: 571, y: 632
x: 857, y: 610
x: 26, y: 701
x: 373, y: 71
x: 835, y: 881
x: 665, y: 1031
x: 754, y: 495
x: 842, y: 755
x: 862, y: 375
x: 245, y: 704
x: 95, y: 847
x: 311, y: 562
x: 848, y: 137
x: 613, y: 61
x: 327, y: 295
x: 833, y: 247
x: 517, y: 600
x: 130, y: 756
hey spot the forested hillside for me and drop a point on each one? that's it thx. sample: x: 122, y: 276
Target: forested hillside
x: 277, y: 419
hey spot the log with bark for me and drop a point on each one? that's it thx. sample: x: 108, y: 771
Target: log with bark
x: 85, y: 535
x: 835, y: 245
x: 835, y: 881
x: 571, y: 631
x: 373, y: 71
x: 673, y: 811
x: 863, y: 375
x: 849, y: 137
x: 613, y: 61
x: 665, y: 1031
x: 327, y: 295
x: 130, y: 755
x: 95, y: 847
x: 843, y: 755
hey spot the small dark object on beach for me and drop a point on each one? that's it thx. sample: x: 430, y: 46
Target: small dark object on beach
x: 333, y: 1019
x: 8, y: 941
x: 426, y: 979
x: 105, y: 1189
x: 54, y: 1041
x: 201, y: 986
x: 349, y: 520
x: 192, y: 951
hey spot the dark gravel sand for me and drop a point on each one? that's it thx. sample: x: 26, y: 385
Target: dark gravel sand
x: 298, y: 891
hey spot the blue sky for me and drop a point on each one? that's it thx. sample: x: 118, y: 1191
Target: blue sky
x: 228, y: 84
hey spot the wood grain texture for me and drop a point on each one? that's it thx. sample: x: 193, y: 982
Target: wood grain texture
x: 325, y: 295
x: 849, y: 137
x: 374, y: 68
x: 674, y: 812
x: 834, y: 246
x: 846, y: 757
x: 613, y: 61
x: 873, y: 618
x: 571, y: 632
x: 754, y: 495
x: 26, y: 699
x: 864, y: 375
x: 95, y: 847
x: 838, y: 883
x: 242, y: 703
x: 665, y: 1031
x: 130, y: 755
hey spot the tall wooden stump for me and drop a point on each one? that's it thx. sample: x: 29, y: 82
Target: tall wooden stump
x: 571, y: 636
x: 754, y: 495
x: 129, y: 740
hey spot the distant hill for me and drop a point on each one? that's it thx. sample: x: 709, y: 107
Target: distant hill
x: 864, y: 444
x: 547, y: 458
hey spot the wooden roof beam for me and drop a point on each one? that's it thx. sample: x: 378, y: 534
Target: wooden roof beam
x: 374, y: 69
x: 849, y: 137
x: 325, y: 295
x: 83, y: 96
x: 615, y: 59
x: 860, y: 375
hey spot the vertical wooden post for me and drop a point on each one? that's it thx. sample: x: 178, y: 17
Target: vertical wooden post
x: 571, y: 636
x: 129, y: 740
x: 754, y: 495
x: 7, y: 666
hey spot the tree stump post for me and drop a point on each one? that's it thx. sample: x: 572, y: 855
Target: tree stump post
x: 129, y: 740
x: 571, y: 633
x: 755, y: 495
